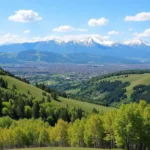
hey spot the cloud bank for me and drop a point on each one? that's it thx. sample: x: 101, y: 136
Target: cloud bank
x: 113, y: 32
x: 27, y: 31
x: 98, y: 22
x: 145, y: 33
x: 25, y: 16
x: 143, y: 16
x: 68, y: 28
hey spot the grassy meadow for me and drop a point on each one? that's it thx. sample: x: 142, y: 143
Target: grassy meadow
x: 24, y: 87
x: 134, y: 79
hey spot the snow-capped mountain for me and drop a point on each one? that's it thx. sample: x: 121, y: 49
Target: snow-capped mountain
x: 136, y: 42
x: 87, y: 41
x: 136, y: 49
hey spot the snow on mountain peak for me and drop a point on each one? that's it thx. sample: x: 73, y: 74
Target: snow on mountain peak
x: 134, y: 42
x: 92, y: 40
x: 96, y: 40
x: 87, y: 41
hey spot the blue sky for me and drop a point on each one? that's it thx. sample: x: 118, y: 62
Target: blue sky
x: 25, y: 20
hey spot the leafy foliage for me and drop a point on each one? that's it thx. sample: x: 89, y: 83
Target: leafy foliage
x: 114, y: 89
x: 127, y: 127
x: 141, y: 92
x: 103, y: 92
x: 18, y: 105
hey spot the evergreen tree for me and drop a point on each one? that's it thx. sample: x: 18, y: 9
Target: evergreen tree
x: 21, y: 109
x: 28, y: 112
x: 54, y: 95
x: 1, y: 106
x: 35, y: 110
x: 6, y: 97
x: 6, y: 84
x: 48, y: 98
x: 42, y: 113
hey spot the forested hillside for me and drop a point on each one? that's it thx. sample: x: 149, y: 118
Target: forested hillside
x: 19, y: 99
x: 115, y: 88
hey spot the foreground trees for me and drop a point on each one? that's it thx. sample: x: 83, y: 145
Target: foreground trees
x: 132, y: 126
x: 128, y: 127
x: 94, y: 132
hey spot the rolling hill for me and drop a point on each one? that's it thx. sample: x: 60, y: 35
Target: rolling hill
x: 115, y: 88
x: 53, y: 57
x: 37, y: 94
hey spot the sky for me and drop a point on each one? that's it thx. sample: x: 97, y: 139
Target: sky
x: 110, y: 20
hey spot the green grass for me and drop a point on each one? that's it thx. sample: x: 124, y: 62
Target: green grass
x: 84, y: 105
x: 37, y: 93
x: 73, y: 91
x: 59, y: 148
x: 134, y: 79
x: 49, y: 82
x: 23, y: 87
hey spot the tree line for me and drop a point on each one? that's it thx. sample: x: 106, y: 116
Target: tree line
x: 127, y: 127
x: 4, y: 72
x: 23, y: 105
x: 124, y: 72
x: 104, y: 92
x: 141, y: 92
x: 3, y: 83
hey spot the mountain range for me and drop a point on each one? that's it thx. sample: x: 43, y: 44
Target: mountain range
x: 89, y: 50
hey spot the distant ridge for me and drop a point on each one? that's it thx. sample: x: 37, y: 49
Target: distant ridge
x: 134, y: 51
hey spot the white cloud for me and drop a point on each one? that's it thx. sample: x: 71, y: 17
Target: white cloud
x: 133, y: 42
x: 63, y: 29
x: 146, y: 33
x: 143, y: 16
x: 27, y: 31
x: 113, y: 32
x: 104, y: 40
x: 130, y: 29
x: 81, y: 37
x: 81, y: 30
x: 75, y: 37
x: 25, y: 16
x: 68, y: 28
x: 98, y: 22
x: 12, y: 38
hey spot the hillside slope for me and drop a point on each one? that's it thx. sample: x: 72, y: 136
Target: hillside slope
x: 114, y: 89
x: 24, y: 88
x: 53, y: 57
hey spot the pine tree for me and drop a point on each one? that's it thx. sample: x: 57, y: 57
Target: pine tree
x: 54, y: 95
x: 35, y: 110
x: 0, y: 106
x: 21, y: 109
x: 42, y: 113
x: 6, y: 97
x: 6, y: 84
x: 48, y: 98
